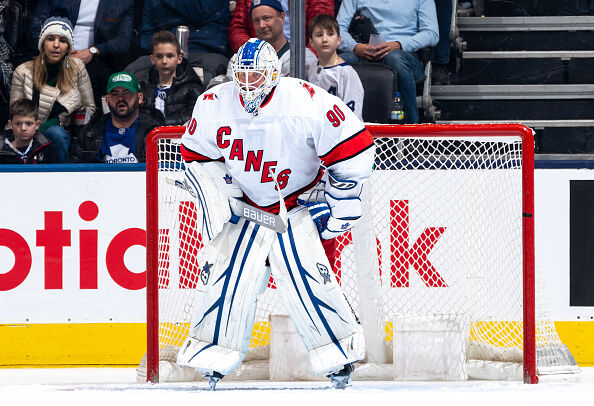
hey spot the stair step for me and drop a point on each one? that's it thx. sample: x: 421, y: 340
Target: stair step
x: 537, y: 7
x: 535, y: 124
x: 524, y: 24
x: 565, y: 55
x: 513, y: 92
x: 514, y: 109
x: 575, y: 137
x: 527, y: 33
x: 518, y: 71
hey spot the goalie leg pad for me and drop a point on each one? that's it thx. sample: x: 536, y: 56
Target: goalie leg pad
x: 232, y: 275
x: 312, y: 297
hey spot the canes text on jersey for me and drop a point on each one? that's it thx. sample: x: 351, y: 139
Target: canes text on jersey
x: 253, y: 159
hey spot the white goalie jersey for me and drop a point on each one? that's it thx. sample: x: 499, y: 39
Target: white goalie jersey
x: 298, y: 129
x: 341, y: 81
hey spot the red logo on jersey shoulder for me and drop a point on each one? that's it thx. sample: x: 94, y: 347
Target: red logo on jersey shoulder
x: 309, y: 89
x: 209, y: 96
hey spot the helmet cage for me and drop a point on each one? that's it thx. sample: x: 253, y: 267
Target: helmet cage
x: 255, y: 73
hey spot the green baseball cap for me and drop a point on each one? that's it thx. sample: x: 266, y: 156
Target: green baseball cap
x: 123, y: 79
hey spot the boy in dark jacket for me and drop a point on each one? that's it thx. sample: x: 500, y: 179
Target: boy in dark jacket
x: 171, y: 85
x: 24, y: 143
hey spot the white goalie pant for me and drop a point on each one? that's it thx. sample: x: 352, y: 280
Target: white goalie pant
x: 233, y: 276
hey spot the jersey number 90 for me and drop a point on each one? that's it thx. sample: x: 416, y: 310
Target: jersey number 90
x: 335, y: 116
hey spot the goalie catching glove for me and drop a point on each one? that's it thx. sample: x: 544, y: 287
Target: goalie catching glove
x: 212, y: 186
x: 341, y: 210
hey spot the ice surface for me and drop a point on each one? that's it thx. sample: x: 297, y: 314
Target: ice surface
x: 117, y: 386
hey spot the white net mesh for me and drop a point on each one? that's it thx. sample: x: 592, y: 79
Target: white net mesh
x: 441, y: 238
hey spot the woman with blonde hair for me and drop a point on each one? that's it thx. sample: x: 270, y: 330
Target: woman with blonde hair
x: 59, y: 84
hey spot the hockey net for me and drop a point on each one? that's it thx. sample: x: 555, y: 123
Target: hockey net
x: 440, y: 270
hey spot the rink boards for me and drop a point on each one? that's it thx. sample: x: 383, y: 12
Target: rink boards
x: 72, y: 265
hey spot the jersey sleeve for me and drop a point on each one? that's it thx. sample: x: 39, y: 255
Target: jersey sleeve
x: 352, y: 91
x: 344, y: 146
x: 196, y: 144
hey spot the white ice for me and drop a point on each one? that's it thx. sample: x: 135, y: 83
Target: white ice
x: 117, y: 386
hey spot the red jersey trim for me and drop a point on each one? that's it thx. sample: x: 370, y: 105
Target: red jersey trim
x: 348, y: 148
x: 290, y: 200
x: 266, y: 99
x: 190, y: 156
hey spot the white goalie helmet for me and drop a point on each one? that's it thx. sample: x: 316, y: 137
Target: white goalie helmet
x: 256, y: 71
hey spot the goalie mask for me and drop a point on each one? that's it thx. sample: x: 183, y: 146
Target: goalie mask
x: 256, y: 72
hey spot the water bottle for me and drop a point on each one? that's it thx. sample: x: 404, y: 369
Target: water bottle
x: 397, y: 112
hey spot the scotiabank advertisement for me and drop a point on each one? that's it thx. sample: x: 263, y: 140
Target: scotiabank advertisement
x: 72, y: 247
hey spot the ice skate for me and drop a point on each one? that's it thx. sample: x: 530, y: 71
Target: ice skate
x: 213, y: 379
x: 342, y: 378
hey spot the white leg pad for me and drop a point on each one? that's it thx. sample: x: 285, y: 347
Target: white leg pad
x: 232, y: 276
x: 209, y: 357
x: 328, y: 358
x: 312, y: 297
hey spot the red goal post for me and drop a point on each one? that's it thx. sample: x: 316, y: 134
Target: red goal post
x: 414, y: 135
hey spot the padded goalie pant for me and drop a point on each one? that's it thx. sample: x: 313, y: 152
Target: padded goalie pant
x: 234, y: 274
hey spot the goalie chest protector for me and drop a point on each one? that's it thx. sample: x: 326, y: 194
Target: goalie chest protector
x: 299, y: 127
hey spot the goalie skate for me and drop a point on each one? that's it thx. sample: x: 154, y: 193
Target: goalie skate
x: 342, y: 378
x: 213, y: 379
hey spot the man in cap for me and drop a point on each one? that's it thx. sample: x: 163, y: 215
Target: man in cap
x: 119, y: 136
x: 243, y: 27
x: 267, y: 18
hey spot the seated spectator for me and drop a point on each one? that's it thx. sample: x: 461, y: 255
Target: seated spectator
x: 441, y: 55
x: 171, y: 85
x: 23, y: 143
x: 267, y: 17
x: 56, y: 82
x: 102, y: 33
x: 16, y: 14
x: 6, y: 65
x: 207, y: 21
x: 406, y: 27
x: 242, y: 27
x: 331, y: 72
x: 118, y: 136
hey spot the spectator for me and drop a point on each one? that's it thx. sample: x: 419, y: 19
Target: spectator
x: 23, y: 143
x: 406, y: 27
x: 56, y: 82
x: 207, y: 21
x: 6, y: 67
x: 118, y: 136
x: 441, y: 54
x: 102, y: 33
x: 242, y: 26
x: 331, y: 72
x: 17, y: 13
x: 171, y: 85
x: 267, y: 18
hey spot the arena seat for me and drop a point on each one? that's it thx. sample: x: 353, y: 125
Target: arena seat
x: 379, y: 82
